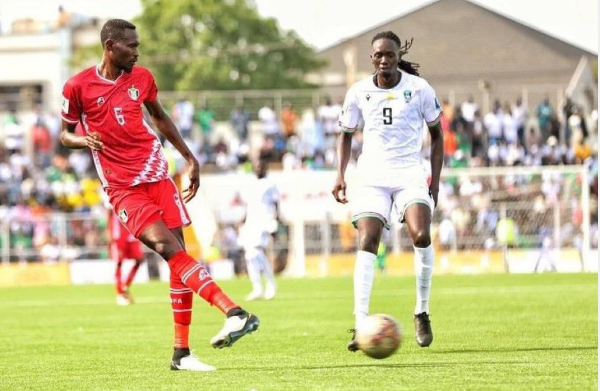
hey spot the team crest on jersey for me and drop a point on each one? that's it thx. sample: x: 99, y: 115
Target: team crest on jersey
x: 100, y: 101
x: 123, y: 215
x: 368, y: 97
x: 133, y: 92
x: 407, y: 95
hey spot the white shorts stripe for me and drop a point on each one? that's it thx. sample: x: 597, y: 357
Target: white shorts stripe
x: 182, y: 214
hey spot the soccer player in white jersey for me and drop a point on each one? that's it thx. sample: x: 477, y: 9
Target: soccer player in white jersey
x: 262, y: 215
x: 394, y: 104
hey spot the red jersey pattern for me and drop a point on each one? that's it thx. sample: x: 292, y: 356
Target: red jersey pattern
x: 132, y: 152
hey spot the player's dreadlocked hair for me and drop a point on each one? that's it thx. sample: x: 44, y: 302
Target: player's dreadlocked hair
x: 406, y: 66
x: 113, y: 29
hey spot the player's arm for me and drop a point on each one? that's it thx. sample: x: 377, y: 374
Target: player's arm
x: 167, y: 128
x: 349, y: 118
x: 69, y: 139
x: 344, y: 151
x: 437, y: 159
x: 432, y: 113
x: 71, y: 114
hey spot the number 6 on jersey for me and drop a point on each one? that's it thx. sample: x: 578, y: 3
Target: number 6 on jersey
x: 120, y: 117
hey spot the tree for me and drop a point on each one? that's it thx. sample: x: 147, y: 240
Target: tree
x: 220, y: 45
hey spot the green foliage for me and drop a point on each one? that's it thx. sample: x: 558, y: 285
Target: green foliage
x: 86, y: 56
x: 220, y: 45
x: 494, y: 332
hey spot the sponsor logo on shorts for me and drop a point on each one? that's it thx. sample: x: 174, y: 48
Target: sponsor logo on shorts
x: 123, y: 215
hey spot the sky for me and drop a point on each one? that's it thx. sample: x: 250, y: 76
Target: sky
x: 322, y: 23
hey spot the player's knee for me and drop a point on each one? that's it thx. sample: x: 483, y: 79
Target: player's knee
x: 369, y: 242
x: 421, y: 238
x: 165, y: 248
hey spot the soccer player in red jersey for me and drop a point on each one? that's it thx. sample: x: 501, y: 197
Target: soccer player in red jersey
x: 107, y: 99
x: 123, y: 245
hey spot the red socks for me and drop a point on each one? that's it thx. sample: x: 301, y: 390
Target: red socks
x: 132, y: 274
x: 181, y: 302
x: 194, y: 276
x: 118, y: 285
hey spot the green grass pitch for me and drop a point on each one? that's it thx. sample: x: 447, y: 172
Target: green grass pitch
x: 495, y: 332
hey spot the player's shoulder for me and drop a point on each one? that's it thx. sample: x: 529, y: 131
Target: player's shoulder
x: 417, y: 81
x: 82, y: 77
x: 365, y: 84
x: 140, y: 71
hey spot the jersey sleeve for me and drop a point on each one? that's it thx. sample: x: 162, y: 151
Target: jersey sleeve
x: 351, y: 114
x: 430, y: 106
x: 71, y: 105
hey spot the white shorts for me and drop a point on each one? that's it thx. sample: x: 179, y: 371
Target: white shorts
x: 377, y: 201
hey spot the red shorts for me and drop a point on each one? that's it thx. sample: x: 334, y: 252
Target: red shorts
x: 122, y: 249
x: 146, y: 203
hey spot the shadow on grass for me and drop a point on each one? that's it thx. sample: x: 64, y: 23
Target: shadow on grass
x: 509, y: 350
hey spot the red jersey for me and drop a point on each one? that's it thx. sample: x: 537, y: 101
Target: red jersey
x: 132, y: 152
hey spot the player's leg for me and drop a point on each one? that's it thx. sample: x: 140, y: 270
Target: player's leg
x: 194, y: 275
x: 253, y: 267
x: 372, y: 211
x: 369, y: 234
x: 117, y: 256
x: 182, y: 299
x: 267, y: 269
x: 418, y: 220
x: 133, y: 251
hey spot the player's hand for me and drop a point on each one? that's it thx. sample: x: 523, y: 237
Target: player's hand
x: 92, y: 140
x: 339, y: 191
x: 194, y: 172
x: 433, y: 192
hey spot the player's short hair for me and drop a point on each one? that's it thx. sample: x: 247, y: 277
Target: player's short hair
x: 406, y: 66
x: 113, y: 29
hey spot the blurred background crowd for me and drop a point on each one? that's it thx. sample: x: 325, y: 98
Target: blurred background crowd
x: 39, y: 177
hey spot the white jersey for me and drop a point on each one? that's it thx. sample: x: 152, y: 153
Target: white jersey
x: 260, y: 198
x: 394, y: 122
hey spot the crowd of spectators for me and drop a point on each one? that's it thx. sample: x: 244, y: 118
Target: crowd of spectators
x: 39, y: 177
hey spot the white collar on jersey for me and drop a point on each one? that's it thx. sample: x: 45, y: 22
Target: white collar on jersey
x: 105, y: 79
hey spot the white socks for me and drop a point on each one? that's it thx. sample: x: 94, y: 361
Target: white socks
x: 257, y: 261
x: 267, y: 269
x: 423, y: 272
x: 253, y: 266
x: 363, y: 284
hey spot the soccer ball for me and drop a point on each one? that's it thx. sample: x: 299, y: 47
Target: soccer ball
x: 379, y: 336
